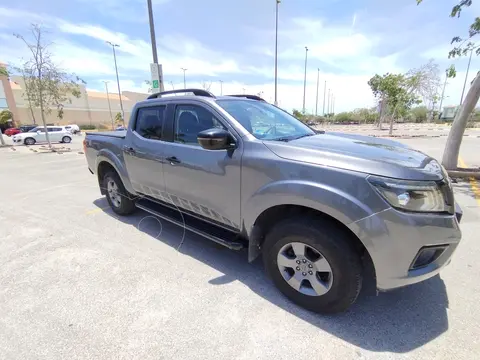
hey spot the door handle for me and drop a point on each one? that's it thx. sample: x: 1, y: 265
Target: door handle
x: 129, y: 150
x: 173, y: 160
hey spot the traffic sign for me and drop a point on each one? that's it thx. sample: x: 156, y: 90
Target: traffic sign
x: 155, y: 84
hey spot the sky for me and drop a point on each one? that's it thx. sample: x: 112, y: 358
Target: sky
x: 349, y: 41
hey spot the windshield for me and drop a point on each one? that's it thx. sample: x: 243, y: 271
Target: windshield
x: 35, y: 129
x: 265, y: 121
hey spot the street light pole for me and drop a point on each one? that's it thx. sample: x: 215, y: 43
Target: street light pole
x: 324, y: 93
x: 109, y: 107
x: 118, y: 81
x: 466, y: 76
x: 154, y: 45
x: 443, y: 95
x: 221, y: 87
x: 276, y: 49
x: 305, y: 79
x: 316, y: 101
x: 152, y: 32
x: 328, y: 104
x: 184, y: 80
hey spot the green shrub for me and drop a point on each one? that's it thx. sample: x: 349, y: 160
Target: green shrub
x: 87, y: 127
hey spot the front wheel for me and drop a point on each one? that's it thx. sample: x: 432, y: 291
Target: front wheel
x: 312, y: 262
x: 66, y: 139
x: 117, y: 196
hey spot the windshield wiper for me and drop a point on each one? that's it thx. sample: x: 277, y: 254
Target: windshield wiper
x: 284, y: 139
x: 302, y: 136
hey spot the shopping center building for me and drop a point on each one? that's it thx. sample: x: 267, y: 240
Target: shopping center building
x: 91, y: 108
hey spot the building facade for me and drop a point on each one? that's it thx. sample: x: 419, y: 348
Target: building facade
x: 91, y: 108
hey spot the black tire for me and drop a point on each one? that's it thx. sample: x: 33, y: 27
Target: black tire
x: 66, y: 139
x: 333, y: 243
x: 29, y: 141
x: 127, y: 204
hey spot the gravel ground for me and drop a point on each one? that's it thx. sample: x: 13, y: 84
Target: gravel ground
x: 78, y: 282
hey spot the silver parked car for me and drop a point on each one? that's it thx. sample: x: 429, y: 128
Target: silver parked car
x: 317, y: 206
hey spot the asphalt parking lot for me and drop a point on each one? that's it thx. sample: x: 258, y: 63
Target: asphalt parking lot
x: 77, y: 282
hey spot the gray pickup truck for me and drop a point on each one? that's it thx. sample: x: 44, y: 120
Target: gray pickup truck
x: 319, y: 207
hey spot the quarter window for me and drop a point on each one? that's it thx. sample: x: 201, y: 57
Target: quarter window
x: 150, y: 122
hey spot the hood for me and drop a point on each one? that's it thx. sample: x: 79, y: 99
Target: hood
x: 360, y: 153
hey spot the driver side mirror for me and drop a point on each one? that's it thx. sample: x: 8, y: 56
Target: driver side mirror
x: 38, y: 132
x: 215, y: 139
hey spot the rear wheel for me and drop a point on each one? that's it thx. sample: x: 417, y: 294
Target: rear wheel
x: 117, y: 196
x: 29, y: 141
x: 312, y: 262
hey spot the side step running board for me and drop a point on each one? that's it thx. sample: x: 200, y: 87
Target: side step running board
x: 154, y: 209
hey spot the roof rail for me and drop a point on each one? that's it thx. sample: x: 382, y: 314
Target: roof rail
x: 251, y: 97
x: 196, y: 92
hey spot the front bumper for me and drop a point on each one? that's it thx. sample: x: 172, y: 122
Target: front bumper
x: 394, y: 239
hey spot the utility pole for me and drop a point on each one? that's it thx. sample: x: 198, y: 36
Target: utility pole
x: 324, y: 93
x: 305, y: 80
x: 161, y: 86
x: 466, y: 76
x: 184, y: 80
x: 276, y: 48
x: 109, y: 107
x: 243, y: 91
x: 316, y: 101
x: 118, y: 81
x: 221, y: 87
x: 171, y: 83
x: 333, y: 104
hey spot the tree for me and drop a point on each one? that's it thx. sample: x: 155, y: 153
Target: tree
x: 419, y: 114
x: 3, y: 71
x: 462, y: 47
x: 428, y: 85
x: 5, y: 115
x: 48, y: 86
x: 396, y: 93
x: 118, y: 118
x: 206, y: 85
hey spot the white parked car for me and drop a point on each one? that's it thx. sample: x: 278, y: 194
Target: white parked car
x: 73, y: 128
x: 37, y: 135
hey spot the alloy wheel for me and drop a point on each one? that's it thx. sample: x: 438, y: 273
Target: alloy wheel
x: 305, y: 269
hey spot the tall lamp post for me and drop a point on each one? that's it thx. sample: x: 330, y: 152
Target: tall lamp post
x: 221, y: 87
x: 324, y: 94
x: 184, y: 79
x: 118, y: 81
x: 161, y: 86
x: 328, y: 104
x: 316, y: 101
x: 276, y: 48
x: 443, y: 95
x: 305, y: 79
x: 109, y: 107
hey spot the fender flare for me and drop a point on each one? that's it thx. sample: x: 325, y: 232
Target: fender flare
x: 105, y: 155
x: 334, y: 202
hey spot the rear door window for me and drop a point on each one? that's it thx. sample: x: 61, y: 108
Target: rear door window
x: 150, y: 122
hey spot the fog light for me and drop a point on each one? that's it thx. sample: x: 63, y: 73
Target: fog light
x: 427, y: 255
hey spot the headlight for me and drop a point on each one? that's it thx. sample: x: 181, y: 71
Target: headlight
x: 418, y: 196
